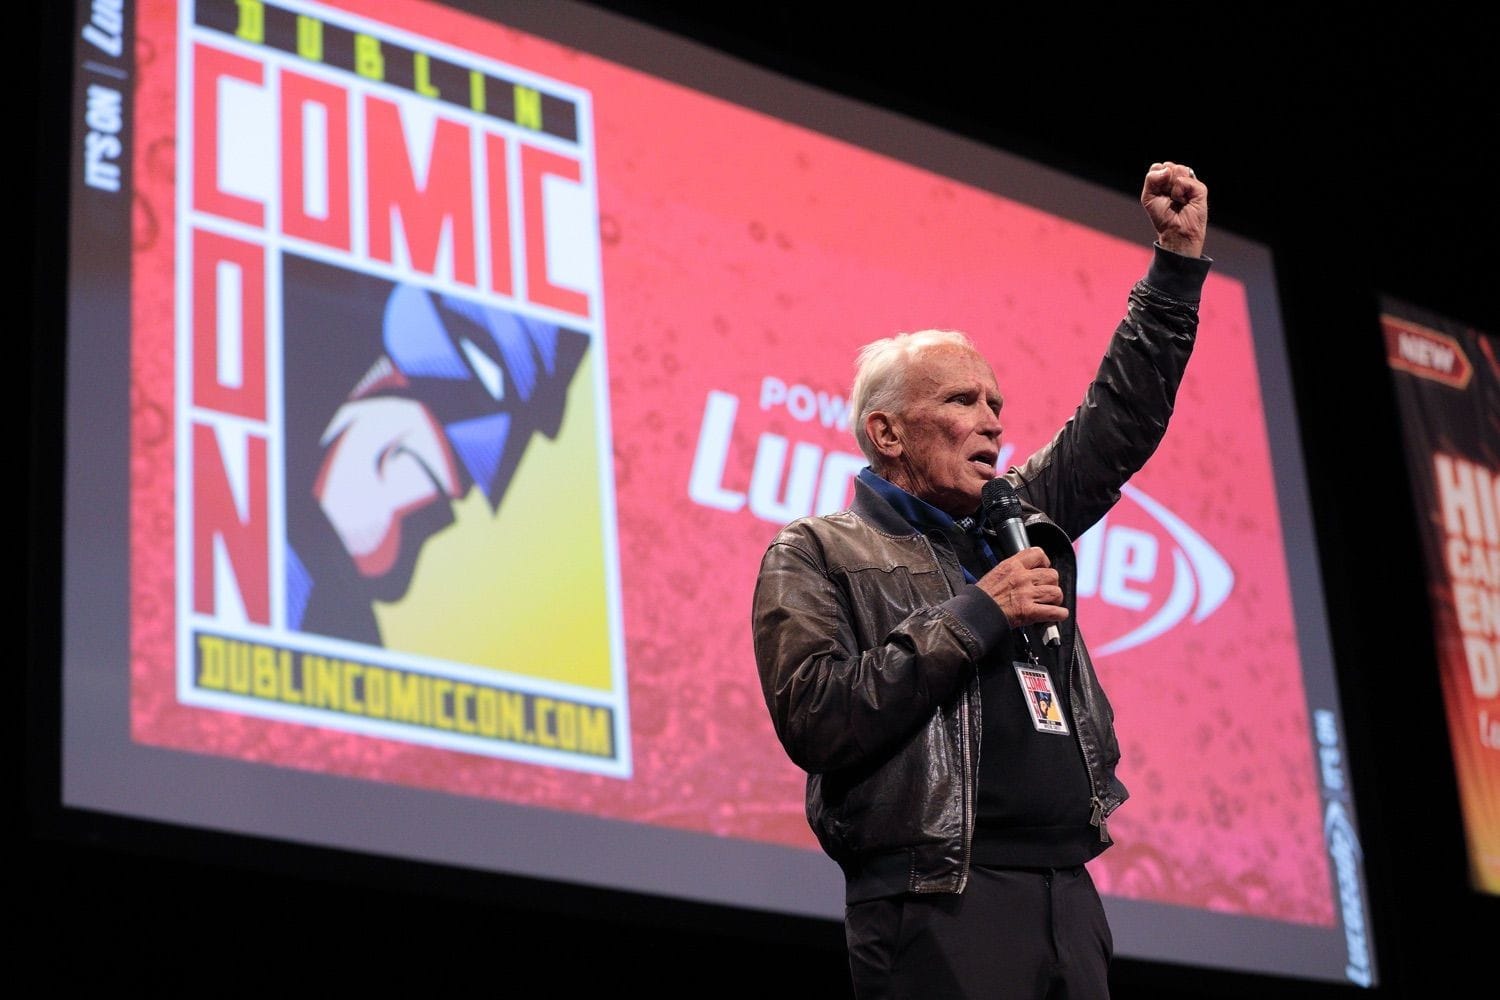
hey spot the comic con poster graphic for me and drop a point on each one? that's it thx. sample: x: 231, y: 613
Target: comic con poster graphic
x: 1447, y: 379
x: 387, y: 377
x: 472, y: 375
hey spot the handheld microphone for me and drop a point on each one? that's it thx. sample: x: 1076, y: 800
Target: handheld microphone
x: 1000, y: 513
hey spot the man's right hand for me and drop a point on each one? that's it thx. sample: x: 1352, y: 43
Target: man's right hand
x: 1026, y: 588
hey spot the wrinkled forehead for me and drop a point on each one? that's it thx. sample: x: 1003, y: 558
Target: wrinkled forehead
x: 939, y: 367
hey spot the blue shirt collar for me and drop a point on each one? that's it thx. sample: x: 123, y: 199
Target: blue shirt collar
x: 918, y: 512
x: 924, y: 517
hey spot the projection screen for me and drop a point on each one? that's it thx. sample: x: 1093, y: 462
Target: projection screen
x: 436, y: 378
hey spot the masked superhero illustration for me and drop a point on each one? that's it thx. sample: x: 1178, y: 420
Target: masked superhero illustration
x: 454, y: 395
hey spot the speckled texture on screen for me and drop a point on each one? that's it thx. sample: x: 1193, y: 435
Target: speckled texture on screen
x: 735, y: 249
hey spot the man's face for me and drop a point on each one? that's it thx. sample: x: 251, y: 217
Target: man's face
x: 947, y: 438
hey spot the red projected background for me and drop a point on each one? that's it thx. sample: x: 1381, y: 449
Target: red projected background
x: 595, y: 332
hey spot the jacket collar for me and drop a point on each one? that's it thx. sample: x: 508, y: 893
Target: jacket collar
x: 912, y: 509
x: 870, y: 505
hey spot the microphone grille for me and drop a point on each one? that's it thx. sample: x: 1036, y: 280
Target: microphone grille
x: 999, y: 496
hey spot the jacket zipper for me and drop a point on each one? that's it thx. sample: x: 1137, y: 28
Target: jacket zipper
x: 965, y: 739
x: 1096, y: 804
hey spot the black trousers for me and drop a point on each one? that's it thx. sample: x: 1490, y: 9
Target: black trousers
x: 1014, y: 934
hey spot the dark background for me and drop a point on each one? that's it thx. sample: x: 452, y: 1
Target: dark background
x: 1358, y: 148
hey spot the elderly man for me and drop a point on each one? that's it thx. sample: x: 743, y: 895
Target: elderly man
x: 961, y: 767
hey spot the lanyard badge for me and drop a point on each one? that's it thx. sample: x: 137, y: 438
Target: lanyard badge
x: 1041, y: 698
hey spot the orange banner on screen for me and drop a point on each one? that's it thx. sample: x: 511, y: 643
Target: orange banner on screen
x: 1450, y: 411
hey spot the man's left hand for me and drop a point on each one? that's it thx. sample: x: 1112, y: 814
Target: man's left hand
x: 1177, y: 203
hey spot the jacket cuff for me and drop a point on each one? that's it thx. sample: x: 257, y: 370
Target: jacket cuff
x: 978, y: 612
x: 1176, y: 275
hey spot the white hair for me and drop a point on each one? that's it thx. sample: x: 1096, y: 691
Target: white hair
x: 880, y: 377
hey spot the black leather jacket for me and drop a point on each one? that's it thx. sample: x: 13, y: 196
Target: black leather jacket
x: 867, y: 638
